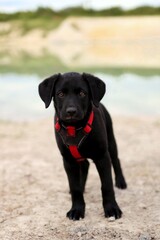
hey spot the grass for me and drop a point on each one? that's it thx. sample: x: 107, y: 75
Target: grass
x: 25, y: 26
x: 48, y: 64
x: 43, y: 24
x: 25, y: 64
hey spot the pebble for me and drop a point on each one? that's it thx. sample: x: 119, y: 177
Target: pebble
x: 40, y: 234
x: 143, y: 206
x: 111, y: 219
x: 79, y: 234
x: 144, y: 237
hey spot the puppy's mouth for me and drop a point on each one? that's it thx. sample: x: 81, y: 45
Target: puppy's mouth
x: 71, y: 119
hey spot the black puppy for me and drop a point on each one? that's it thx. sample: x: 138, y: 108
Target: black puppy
x: 84, y: 130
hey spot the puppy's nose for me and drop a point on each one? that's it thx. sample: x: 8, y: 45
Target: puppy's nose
x: 71, y: 111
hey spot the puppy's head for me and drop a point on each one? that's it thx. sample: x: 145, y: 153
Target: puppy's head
x: 73, y: 94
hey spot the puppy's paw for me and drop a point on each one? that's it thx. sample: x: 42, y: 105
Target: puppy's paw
x: 75, y: 214
x: 120, y: 182
x: 112, y: 210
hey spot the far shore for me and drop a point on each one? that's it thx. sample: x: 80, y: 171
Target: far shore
x: 84, y: 41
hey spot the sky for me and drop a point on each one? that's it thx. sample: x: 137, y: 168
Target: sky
x: 16, y: 5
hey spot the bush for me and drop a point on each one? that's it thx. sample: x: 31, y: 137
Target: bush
x: 47, y: 13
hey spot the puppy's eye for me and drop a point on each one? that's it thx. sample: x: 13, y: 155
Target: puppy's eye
x: 60, y: 94
x: 82, y: 94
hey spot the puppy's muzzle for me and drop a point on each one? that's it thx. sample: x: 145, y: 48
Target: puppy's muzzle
x: 71, y: 111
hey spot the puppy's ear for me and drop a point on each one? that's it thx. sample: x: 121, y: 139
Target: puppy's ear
x: 97, y: 87
x: 46, y: 89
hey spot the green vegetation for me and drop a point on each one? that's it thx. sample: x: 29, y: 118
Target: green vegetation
x: 37, y: 23
x: 48, y: 64
x: 49, y: 14
x: 23, y: 63
x: 48, y: 19
x: 43, y: 18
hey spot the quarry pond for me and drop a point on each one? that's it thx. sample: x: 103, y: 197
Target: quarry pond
x: 127, y: 94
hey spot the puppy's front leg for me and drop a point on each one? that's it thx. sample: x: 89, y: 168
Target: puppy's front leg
x: 110, y: 205
x: 77, y: 210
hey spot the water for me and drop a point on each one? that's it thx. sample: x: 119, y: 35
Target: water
x: 127, y: 94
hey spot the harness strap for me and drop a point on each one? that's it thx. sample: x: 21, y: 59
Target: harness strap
x: 88, y: 126
x: 71, y: 132
x: 75, y: 153
x: 57, y: 126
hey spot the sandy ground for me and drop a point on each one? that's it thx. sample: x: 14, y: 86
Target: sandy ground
x: 34, y: 194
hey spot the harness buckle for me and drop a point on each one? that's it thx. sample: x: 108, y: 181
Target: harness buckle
x: 87, y: 128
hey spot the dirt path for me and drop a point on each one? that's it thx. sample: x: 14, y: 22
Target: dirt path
x: 34, y: 191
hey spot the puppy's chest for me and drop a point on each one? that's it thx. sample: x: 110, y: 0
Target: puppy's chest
x: 89, y: 145
x: 76, y: 138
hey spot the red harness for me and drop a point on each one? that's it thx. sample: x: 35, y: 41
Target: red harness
x: 73, y: 137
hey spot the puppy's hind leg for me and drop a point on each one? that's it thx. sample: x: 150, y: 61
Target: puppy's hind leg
x: 119, y: 178
x: 113, y: 151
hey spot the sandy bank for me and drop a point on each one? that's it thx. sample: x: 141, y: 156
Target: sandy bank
x: 112, y: 41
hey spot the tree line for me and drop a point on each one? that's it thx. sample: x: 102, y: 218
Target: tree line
x: 48, y: 13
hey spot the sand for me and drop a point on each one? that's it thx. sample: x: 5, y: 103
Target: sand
x: 34, y: 194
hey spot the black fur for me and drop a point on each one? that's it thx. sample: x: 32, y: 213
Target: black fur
x: 75, y: 95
